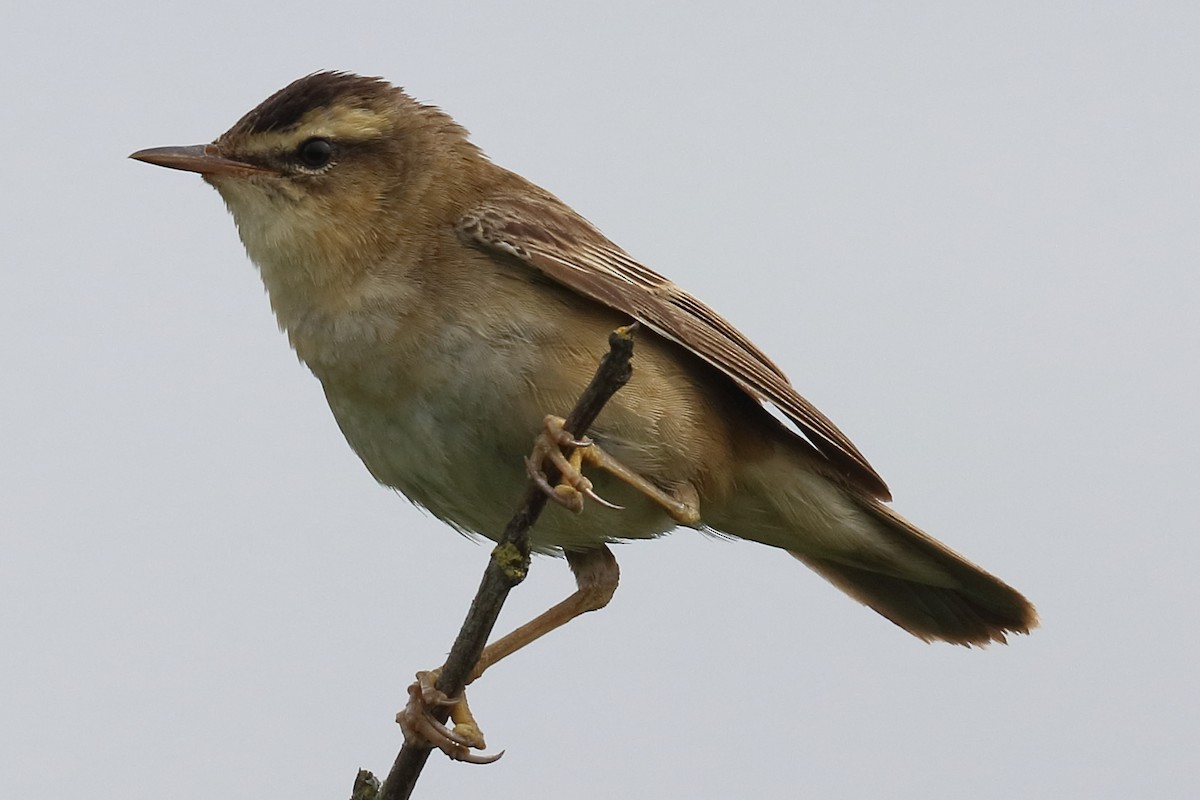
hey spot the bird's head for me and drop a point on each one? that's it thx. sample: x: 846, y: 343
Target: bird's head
x: 321, y: 175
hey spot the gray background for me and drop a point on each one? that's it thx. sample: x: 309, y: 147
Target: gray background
x: 967, y: 231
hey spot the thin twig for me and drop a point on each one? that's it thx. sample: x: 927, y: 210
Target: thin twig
x: 509, y: 564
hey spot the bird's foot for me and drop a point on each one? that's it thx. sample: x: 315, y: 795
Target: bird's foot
x: 421, y: 727
x: 682, y: 502
x: 572, y: 486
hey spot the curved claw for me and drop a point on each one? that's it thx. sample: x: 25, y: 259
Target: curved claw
x: 591, y: 495
x: 472, y: 758
x: 437, y: 733
x: 555, y: 430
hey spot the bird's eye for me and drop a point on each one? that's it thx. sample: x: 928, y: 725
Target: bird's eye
x: 315, y: 153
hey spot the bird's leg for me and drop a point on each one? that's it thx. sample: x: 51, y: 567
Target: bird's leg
x: 596, y: 576
x: 683, y: 505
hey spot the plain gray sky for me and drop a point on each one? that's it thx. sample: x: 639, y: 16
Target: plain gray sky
x: 967, y: 231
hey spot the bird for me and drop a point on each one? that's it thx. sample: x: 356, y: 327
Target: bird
x: 452, y: 309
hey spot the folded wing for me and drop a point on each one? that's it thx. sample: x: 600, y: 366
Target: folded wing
x: 548, y: 236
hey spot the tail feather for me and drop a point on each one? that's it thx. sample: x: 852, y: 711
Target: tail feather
x: 877, y: 557
x: 973, y: 608
x: 976, y: 608
x: 929, y: 612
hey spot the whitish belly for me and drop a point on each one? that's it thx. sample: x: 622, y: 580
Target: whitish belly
x: 458, y: 451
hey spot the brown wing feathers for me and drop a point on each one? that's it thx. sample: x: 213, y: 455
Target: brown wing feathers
x: 554, y: 240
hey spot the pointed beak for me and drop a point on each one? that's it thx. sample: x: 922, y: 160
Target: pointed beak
x: 203, y: 158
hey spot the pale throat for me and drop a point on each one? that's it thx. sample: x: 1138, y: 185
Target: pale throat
x: 325, y: 296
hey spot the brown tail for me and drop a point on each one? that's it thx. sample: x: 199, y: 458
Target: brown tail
x: 870, y: 552
x: 972, y: 608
